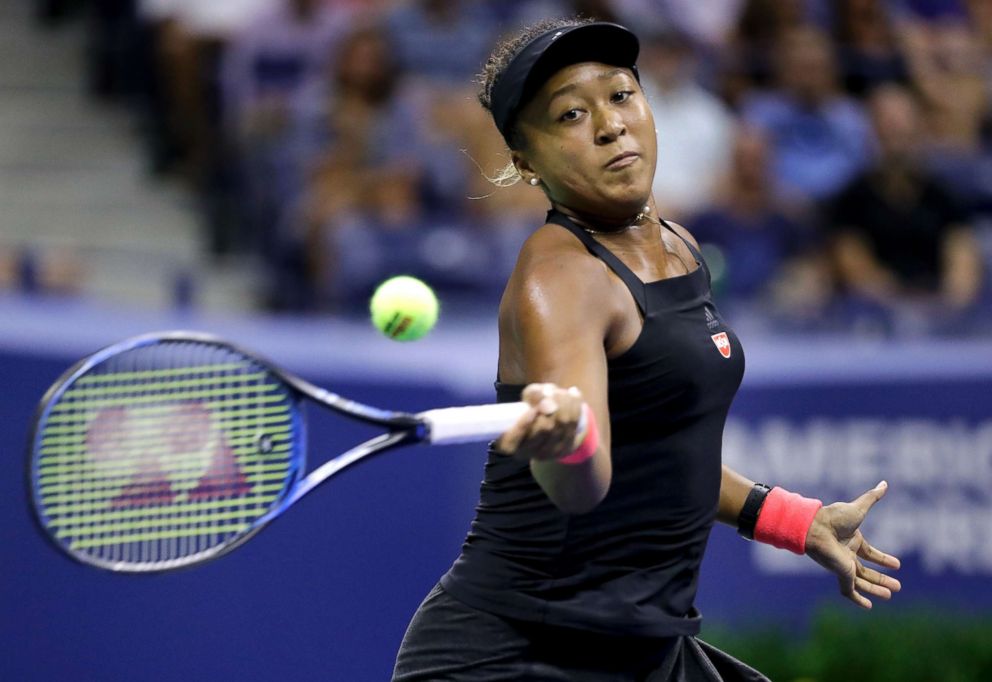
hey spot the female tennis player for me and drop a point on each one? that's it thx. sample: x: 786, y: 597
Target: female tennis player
x: 584, y: 556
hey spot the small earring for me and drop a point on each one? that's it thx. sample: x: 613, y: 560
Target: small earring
x: 535, y: 181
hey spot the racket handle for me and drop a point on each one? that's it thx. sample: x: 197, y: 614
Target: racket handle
x: 471, y: 424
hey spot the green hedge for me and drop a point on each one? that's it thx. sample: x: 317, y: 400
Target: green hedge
x: 855, y: 647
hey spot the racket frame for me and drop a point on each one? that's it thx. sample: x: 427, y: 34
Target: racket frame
x: 403, y: 428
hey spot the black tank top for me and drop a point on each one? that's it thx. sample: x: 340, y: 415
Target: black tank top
x: 631, y: 565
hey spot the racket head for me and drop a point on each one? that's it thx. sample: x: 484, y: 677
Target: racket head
x: 163, y: 451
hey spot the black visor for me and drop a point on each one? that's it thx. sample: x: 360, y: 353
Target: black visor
x: 546, y: 54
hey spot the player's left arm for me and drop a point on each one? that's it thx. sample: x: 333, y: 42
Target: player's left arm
x: 833, y: 540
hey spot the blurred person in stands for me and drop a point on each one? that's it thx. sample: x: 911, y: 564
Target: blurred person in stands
x: 868, y: 51
x: 356, y: 143
x: 771, y: 262
x: 186, y: 39
x: 748, y: 57
x: 951, y: 72
x: 900, y: 240
x: 501, y: 217
x: 265, y: 69
x: 820, y: 137
x: 601, y: 10
x: 111, y: 45
x: 980, y: 15
x: 695, y: 127
x: 440, y: 40
x: 708, y: 25
x: 522, y: 12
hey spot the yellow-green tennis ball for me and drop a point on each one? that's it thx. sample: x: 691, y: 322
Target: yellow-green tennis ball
x: 404, y: 308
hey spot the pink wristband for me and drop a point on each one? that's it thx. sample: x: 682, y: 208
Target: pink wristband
x: 587, y: 448
x: 785, y: 519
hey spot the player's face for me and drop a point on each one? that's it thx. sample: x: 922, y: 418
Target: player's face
x: 589, y: 136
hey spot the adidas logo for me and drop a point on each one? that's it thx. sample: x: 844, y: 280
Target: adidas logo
x: 711, y: 320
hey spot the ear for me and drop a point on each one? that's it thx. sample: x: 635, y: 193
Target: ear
x: 523, y: 166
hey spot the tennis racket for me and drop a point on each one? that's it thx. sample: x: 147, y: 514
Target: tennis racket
x: 171, y: 449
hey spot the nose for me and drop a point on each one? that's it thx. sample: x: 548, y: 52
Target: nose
x: 610, y: 127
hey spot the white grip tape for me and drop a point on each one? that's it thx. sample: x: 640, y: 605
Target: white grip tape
x: 471, y: 424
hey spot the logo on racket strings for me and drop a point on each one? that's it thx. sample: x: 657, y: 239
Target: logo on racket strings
x: 181, y: 457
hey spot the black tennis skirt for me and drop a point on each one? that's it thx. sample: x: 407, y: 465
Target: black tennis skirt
x: 448, y: 641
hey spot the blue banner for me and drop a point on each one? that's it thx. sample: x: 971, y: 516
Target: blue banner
x: 930, y: 439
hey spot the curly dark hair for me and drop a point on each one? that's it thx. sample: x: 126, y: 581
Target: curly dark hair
x: 508, y: 48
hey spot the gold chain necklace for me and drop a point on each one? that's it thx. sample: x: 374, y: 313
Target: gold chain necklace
x: 643, y: 215
x: 632, y: 225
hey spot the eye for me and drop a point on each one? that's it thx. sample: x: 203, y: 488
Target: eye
x: 570, y: 115
x: 621, y: 96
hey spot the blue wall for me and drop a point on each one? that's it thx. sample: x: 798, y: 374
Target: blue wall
x: 326, y: 591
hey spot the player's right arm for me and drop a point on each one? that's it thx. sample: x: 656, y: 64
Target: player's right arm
x: 554, y: 319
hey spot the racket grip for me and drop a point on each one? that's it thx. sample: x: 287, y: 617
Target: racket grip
x: 471, y: 424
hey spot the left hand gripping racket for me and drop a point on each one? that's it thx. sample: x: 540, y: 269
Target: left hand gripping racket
x: 170, y: 449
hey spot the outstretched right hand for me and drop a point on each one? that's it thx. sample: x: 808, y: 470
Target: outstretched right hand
x: 547, y: 431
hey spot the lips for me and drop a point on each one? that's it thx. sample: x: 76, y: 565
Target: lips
x: 622, y: 160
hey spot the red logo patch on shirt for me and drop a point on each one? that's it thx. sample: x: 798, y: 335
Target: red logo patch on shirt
x: 722, y: 343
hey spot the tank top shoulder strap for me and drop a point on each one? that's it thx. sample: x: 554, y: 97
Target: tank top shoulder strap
x: 626, y: 275
x: 692, y: 248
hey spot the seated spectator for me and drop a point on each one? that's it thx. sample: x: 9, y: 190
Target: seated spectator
x: 820, y: 138
x: 747, y: 58
x: 356, y: 151
x: 980, y: 17
x: 500, y: 211
x: 510, y: 13
x: 265, y: 69
x: 766, y: 250
x: 694, y: 127
x: 441, y: 40
x: 187, y: 39
x: 380, y: 195
x: 900, y: 238
x: 268, y: 62
x: 950, y: 72
x: 601, y: 10
x: 709, y: 25
x: 866, y: 40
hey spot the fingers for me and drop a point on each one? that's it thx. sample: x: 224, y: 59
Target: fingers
x: 508, y: 443
x: 548, y: 430
x: 885, y: 584
x: 541, y: 397
x: 862, y: 585
x: 869, y: 553
x: 867, y: 581
x: 868, y: 499
x: 856, y: 580
x: 847, y: 517
x: 871, y: 581
x: 849, y: 584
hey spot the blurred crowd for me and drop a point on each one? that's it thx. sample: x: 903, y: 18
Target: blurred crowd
x: 834, y: 157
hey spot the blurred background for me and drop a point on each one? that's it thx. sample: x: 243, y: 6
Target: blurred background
x: 254, y: 168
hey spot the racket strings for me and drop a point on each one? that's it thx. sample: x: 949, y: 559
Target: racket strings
x: 164, y: 452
